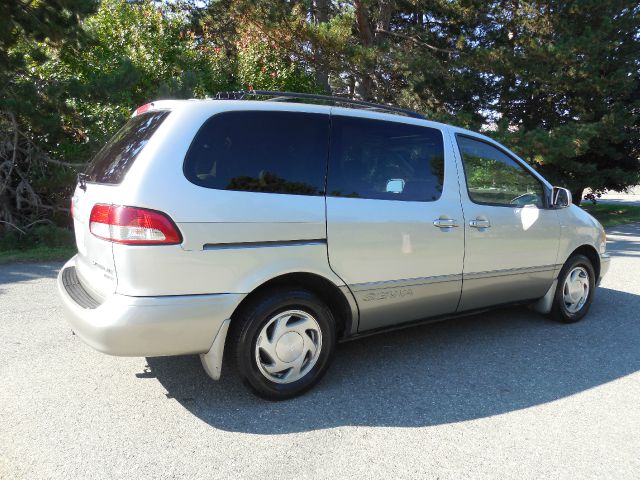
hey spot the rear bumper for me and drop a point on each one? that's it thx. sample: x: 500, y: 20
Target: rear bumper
x: 144, y: 326
x: 605, y: 262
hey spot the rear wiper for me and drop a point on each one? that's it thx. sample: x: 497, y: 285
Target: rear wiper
x: 82, y: 181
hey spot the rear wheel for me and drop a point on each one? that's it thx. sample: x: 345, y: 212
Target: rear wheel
x: 574, y: 293
x: 283, y: 341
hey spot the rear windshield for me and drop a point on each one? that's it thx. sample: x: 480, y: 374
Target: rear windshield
x: 112, y: 163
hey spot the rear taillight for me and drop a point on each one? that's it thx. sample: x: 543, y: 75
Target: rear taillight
x: 132, y: 225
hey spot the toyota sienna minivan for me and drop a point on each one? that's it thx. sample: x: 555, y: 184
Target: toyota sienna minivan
x: 270, y: 229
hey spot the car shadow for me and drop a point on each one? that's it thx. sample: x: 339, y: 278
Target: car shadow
x: 24, y: 272
x: 623, y: 242
x: 463, y: 369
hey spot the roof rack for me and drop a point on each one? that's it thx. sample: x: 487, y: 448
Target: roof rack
x: 280, y: 96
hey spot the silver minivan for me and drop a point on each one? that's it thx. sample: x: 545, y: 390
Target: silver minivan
x: 271, y: 229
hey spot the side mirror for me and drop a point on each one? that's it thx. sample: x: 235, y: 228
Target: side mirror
x: 560, y: 197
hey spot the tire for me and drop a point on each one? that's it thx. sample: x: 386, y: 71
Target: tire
x: 283, y: 341
x: 568, y: 305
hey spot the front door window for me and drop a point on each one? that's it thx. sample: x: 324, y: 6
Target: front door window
x: 494, y: 178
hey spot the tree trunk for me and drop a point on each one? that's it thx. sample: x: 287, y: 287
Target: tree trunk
x: 576, y: 196
x: 321, y: 15
x: 364, y: 86
x: 372, y: 20
x: 384, y: 15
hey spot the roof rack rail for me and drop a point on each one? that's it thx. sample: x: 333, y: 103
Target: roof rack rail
x: 280, y: 96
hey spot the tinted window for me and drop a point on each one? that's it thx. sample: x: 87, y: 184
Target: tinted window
x: 113, y: 162
x: 276, y: 152
x: 495, y: 178
x: 385, y: 160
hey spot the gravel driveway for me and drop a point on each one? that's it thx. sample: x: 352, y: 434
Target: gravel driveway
x: 506, y: 394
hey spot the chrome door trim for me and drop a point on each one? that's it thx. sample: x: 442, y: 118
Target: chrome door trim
x: 410, y: 282
x: 268, y: 244
x: 405, y: 282
x: 509, y: 271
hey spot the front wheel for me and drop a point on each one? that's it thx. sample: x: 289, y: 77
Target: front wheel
x: 283, y: 341
x: 576, y: 284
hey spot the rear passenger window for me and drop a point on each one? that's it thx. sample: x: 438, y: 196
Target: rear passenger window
x: 254, y: 151
x: 385, y: 160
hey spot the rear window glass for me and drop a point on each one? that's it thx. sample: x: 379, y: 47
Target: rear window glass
x: 385, y: 160
x: 253, y: 151
x: 112, y: 163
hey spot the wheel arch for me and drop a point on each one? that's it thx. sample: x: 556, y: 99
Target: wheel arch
x: 339, y: 299
x: 592, y: 254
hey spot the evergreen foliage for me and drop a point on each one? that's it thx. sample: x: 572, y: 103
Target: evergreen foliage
x: 557, y: 81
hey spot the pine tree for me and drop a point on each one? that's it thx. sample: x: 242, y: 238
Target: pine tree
x: 566, y: 87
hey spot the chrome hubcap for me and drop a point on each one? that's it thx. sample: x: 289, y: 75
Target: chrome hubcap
x: 288, y: 346
x: 576, y: 289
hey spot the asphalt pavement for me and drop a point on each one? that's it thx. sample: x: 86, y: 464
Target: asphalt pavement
x: 505, y: 394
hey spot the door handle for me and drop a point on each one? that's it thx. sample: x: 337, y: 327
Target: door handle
x: 445, y: 223
x: 480, y: 223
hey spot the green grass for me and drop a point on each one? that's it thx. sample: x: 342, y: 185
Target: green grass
x: 37, y: 254
x: 40, y: 243
x: 610, y: 215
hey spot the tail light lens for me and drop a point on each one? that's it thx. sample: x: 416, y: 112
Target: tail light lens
x: 133, y: 226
